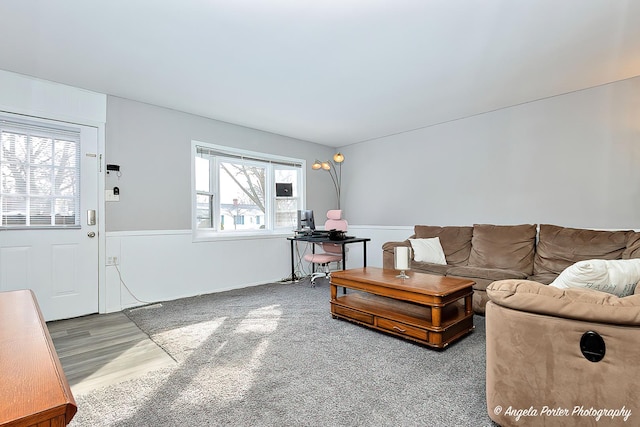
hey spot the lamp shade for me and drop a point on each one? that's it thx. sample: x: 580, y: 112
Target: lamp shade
x: 338, y: 157
x: 316, y: 165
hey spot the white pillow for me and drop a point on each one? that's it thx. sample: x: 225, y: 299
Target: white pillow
x: 428, y: 250
x: 618, y: 277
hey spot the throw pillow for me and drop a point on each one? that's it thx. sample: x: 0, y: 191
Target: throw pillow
x: 428, y: 250
x: 618, y: 277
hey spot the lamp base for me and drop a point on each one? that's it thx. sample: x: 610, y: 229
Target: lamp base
x: 402, y: 275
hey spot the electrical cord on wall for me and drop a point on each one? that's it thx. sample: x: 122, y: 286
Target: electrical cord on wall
x: 127, y: 288
x: 299, y: 270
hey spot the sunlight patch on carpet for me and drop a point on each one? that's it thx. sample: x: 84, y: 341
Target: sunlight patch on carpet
x: 261, y: 320
x: 228, y: 379
x: 181, y: 342
x: 225, y: 382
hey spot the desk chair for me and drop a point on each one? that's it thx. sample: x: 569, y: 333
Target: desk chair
x: 332, y: 252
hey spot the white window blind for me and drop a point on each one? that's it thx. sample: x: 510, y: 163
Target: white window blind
x: 40, y: 175
x: 212, y: 152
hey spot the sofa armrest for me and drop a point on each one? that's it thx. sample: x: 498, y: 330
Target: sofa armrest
x: 387, y: 251
x: 535, y: 361
x: 388, y: 246
x: 578, y: 304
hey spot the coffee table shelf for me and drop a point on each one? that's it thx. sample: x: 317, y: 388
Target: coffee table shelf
x: 431, y: 310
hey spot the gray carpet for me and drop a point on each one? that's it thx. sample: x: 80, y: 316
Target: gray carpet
x: 272, y: 355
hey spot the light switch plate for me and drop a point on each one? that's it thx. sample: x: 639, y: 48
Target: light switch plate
x: 110, y: 197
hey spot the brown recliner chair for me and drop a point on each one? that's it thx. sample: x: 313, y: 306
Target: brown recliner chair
x: 561, y: 357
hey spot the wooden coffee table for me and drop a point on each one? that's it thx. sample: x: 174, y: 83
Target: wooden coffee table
x: 432, y: 310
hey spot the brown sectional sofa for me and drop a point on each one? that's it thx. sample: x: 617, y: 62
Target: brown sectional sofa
x: 486, y: 253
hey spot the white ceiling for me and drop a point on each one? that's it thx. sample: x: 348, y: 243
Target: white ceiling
x: 335, y: 72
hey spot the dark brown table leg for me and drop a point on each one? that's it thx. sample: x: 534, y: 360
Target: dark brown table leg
x: 293, y: 269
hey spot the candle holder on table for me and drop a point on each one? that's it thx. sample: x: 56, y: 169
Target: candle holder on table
x: 402, y: 260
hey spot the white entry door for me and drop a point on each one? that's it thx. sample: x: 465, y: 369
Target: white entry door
x: 48, y: 236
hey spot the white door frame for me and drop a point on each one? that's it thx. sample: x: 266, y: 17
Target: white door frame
x: 102, y: 238
x: 20, y: 94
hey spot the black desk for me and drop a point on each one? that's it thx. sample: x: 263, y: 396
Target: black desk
x: 325, y: 239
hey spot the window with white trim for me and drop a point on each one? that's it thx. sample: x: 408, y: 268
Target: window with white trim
x: 39, y: 179
x: 234, y: 191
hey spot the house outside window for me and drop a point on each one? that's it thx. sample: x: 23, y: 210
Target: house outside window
x: 234, y: 191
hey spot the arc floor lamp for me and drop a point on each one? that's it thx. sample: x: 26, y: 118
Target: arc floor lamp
x: 334, y: 168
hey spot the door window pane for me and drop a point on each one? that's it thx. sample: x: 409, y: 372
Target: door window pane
x: 40, y: 171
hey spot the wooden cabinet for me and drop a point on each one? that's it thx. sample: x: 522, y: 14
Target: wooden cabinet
x: 33, y: 388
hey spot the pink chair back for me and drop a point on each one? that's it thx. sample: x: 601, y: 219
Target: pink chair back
x: 335, y: 221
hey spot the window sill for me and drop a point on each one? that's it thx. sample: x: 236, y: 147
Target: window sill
x: 203, y: 236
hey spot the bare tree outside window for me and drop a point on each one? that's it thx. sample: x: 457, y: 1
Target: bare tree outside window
x: 39, y: 181
x: 250, y: 179
x: 242, y: 194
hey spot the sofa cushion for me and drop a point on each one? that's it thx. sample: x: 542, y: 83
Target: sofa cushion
x: 559, y: 247
x: 633, y: 246
x: 455, y: 241
x: 430, y: 268
x: 580, y: 304
x: 471, y: 272
x: 544, y: 278
x: 618, y: 276
x: 428, y: 250
x: 503, y: 246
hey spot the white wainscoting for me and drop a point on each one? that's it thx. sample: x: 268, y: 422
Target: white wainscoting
x: 378, y: 235
x: 165, y: 265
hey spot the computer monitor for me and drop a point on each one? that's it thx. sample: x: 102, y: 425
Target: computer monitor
x: 305, y: 220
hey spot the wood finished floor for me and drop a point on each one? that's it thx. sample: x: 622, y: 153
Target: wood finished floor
x: 103, y: 349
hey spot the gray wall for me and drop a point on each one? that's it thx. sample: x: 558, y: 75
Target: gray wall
x: 570, y: 160
x: 152, y: 145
